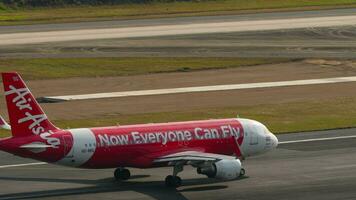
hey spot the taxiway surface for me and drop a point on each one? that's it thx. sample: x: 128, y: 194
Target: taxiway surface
x: 308, y: 170
x: 175, y: 20
x: 269, y: 35
x: 172, y: 30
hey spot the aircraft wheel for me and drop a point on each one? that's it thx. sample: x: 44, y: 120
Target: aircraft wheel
x: 122, y: 174
x: 173, y: 181
x: 242, y: 172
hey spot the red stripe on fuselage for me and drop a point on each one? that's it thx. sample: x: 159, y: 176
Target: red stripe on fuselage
x: 139, y: 145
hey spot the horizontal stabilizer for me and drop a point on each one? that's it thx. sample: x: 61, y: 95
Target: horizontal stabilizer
x: 4, y: 124
x: 36, y: 147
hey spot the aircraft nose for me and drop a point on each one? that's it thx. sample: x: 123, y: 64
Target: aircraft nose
x: 274, y: 140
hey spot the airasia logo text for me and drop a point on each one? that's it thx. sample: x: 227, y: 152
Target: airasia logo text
x: 23, y: 104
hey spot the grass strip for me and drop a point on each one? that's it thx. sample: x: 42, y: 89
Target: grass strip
x: 279, y: 118
x: 12, y: 16
x: 48, y: 68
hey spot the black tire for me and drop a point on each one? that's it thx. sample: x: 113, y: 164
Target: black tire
x: 125, y: 174
x: 169, y: 181
x: 173, y: 181
x: 122, y: 174
x: 178, y: 181
x: 117, y: 174
x: 210, y: 176
x: 242, y: 172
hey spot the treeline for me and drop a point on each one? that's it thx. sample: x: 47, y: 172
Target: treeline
x: 40, y: 3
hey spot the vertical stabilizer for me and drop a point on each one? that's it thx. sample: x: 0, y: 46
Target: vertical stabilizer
x: 26, y: 115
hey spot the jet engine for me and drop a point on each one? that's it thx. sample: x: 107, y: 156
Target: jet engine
x: 223, y: 169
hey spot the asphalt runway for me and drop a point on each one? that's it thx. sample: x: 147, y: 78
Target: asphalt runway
x: 174, y: 29
x: 308, y: 170
x: 332, y: 42
x: 174, y: 20
x: 326, y: 42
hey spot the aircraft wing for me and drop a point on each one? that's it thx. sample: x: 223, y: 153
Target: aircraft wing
x: 191, y: 157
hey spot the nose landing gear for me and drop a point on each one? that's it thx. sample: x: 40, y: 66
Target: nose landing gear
x: 242, y: 172
x: 174, y: 180
x: 122, y: 174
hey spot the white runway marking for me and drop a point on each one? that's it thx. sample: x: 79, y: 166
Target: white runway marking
x: 317, y: 139
x: 167, y: 30
x: 22, y: 165
x: 200, y: 89
x: 340, y: 167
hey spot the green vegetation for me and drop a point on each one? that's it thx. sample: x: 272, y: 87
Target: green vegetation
x: 244, y: 3
x: 71, y: 12
x: 4, y: 133
x: 47, y: 68
x: 280, y: 118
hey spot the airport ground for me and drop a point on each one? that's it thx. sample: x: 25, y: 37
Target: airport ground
x: 317, y: 170
x: 296, y: 53
x: 286, y: 109
x: 320, y: 170
x: 260, y: 103
x: 50, y: 12
x: 308, y: 42
x: 302, y: 43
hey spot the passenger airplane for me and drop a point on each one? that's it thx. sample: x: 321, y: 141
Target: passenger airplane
x: 214, y: 147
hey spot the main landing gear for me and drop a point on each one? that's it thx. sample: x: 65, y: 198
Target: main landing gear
x: 174, y: 180
x: 122, y: 174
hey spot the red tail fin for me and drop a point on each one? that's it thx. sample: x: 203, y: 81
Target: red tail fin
x: 26, y: 115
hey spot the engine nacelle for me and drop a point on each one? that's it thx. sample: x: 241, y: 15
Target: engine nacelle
x: 223, y: 169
